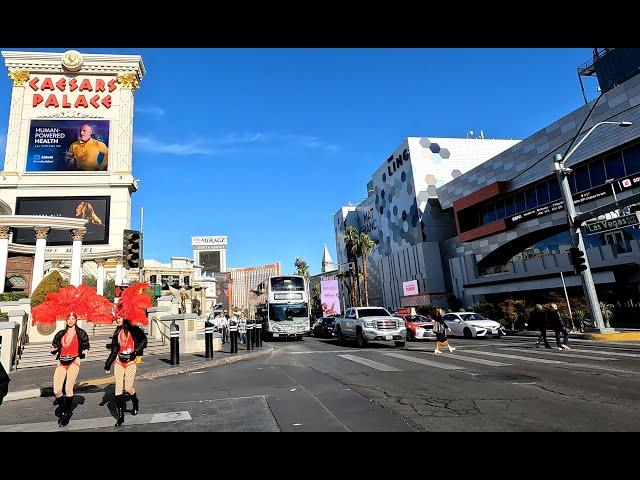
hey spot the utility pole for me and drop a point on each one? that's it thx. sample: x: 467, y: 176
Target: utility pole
x: 141, y: 265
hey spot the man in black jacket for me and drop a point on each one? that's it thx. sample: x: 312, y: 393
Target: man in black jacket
x: 538, y: 318
x: 558, y: 327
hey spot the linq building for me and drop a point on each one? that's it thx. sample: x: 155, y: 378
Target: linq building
x: 69, y: 154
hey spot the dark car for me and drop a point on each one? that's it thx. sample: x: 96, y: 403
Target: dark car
x: 324, y: 327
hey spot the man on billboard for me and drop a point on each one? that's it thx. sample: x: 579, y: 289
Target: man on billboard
x: 87, y: 153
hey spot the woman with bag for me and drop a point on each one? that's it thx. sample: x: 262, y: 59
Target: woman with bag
x: 440, y: 329
x: 127, y: 345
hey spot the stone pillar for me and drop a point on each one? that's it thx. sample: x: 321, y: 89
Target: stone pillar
x: 38, y: 261
x: 4, y: 253
x: 100, y: 282
x: 11, y: 162
x: 76, y: 256
x: 119, y: 271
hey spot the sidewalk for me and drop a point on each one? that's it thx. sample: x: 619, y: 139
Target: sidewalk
x: 37, y: 382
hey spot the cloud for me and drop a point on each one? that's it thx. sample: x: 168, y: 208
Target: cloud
x: 151, y: 110
x: 235, y: 143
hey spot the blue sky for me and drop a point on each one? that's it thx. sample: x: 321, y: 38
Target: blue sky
x: 265, y: 145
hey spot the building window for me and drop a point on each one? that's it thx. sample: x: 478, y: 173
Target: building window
x: 153, y: 279
x: 597, y: 173
x: 185, y: 280
x: 582, y: 178
x: 632, y: 159
x: 521, y: 206
x: 542, y: 190
x: 614, y: 165
x: 530, y: 195
x: 509, y: 207
x: 500, y: 211
x: 554, y: 190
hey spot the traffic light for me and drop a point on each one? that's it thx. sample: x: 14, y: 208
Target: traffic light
x: 131, y: 248
x: 578, y: 260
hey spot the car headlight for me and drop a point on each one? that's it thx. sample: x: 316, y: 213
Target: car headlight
x: 401, y: 323
x: 369, y: 323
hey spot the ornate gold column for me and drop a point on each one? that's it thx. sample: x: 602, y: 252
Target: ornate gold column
x: 19, y: 77
x: 4, y: 253
x: 76, y: 255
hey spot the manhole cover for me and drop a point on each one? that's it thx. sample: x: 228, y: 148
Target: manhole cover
x: 494, y: 377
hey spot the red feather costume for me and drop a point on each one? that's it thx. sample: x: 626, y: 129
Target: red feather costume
x: 83, y: 301
x: 133, y: 303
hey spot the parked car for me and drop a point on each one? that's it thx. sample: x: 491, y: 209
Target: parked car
x: 471, y: 325
x: 325, y: 327
x: 418, y: 327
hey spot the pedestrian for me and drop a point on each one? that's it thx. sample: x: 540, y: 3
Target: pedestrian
x: 555, y: 320
x: 224, y: 328
x: 71, y: 344
x: 538, y: 319
x: 440, y: 329
x: 242, y: 325
x: 127, y: 346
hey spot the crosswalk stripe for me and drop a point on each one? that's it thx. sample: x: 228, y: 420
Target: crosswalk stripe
x: 604, y: 352
x: 560, y: 354
x: 370, y: 363
x: 314, y: 351
x: 517, y: 357
x: 102, y: 422
x: 481, y: 361
x: 444, y: 366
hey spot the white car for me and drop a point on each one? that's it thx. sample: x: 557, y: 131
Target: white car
x: 470, y: 325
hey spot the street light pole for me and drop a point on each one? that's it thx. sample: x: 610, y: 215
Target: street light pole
x: 576, y: 235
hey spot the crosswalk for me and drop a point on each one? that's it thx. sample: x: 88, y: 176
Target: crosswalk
x: 504, y: 355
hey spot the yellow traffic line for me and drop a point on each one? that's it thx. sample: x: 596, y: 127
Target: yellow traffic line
x: 614, y: 337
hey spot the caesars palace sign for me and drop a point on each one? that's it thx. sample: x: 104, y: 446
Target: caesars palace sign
x: 71, y: 92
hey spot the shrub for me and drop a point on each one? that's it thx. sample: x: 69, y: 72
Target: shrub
x: 4, y: 317
x: 51, y: 283
x: 12, y: 296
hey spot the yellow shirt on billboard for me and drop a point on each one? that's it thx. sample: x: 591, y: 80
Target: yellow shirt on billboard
x: 86, y: 155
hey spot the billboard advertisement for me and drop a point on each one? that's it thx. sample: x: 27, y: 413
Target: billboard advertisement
x: 210, y: 262
x: 329, y: 296
x: 68, y: 146
x: 93, y: 209
x: 410, y: 287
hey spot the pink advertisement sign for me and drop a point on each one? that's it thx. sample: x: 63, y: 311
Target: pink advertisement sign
x: 330, y: 296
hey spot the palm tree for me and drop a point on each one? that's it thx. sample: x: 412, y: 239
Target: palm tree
x: 302, y: 268
x: 347, y: 277
x: 352, y: 240
x: 365, y: 247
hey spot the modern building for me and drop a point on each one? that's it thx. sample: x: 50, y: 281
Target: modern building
x: 402, y: 214
x: 512, y: 236
x: 246, y: 281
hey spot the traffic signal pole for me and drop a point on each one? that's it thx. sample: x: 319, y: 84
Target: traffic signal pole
x: 578, y: 242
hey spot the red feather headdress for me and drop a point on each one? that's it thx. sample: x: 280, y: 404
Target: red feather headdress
x: 133, y: 303
x: 83, y: 301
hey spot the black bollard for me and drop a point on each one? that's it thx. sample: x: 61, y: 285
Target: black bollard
x: 258, y: 333
x: 249, y: 334
x: 175, y: 344
x: 233, y: 337
x: 208, y: 339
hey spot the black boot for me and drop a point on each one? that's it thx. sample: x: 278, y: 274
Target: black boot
x: 62, y: 403
x: 136, y: 403
x: 120, y: 410
x: 66, y: 410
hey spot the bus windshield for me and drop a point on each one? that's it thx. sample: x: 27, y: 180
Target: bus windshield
x: 280, y: 313
x: 287, y: 284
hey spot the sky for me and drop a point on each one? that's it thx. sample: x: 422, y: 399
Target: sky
x: 265, y: 145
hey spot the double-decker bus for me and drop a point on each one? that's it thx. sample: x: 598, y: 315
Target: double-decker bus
x: 285, y: 311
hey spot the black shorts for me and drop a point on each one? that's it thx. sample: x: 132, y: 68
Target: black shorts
x: 441, y: 336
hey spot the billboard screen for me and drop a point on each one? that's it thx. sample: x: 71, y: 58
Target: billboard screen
x: 410, y: 287
x: 210, y: 262
x: 329, y: 297
x: 68, y: 146
x: 93, y: 209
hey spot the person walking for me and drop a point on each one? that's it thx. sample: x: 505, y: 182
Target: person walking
x: 538, y: 319
x: 127, y: 346
x: 242, y: 325
x: 440, y: 329
x: 71, y: 344
x: 555, y: 320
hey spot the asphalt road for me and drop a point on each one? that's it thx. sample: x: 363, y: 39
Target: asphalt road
x: 316, y: 385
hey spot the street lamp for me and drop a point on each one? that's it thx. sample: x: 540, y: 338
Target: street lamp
x: 576, y: 236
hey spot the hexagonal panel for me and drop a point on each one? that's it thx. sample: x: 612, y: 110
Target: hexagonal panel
x: 455, y: 173
x: 425, y: 142
x: 444, y: 153
x: 429, y: 178
x: 434, y: 147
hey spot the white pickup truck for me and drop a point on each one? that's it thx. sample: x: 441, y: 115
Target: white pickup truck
x: 370, y: 324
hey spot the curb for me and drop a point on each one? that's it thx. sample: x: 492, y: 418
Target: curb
x: 614, y: 337
x: 87, y: 384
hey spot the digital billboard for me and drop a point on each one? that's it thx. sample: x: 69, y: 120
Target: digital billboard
x: 93, y: 209
x: 68, y: 146
x: 329, y: 297
x: 210, y: 262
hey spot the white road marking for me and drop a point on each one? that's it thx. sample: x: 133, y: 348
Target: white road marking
x: 422, y: 361
x: 604, y: 352
x: 482, y: 361
x: 370, y: 363
x: 559, y: 354
x: 517, y: 357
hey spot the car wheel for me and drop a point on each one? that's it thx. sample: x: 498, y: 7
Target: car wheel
x: 467, y: 333
x: 340, y: 336
x: 400, y: 344
x: 360, y: 341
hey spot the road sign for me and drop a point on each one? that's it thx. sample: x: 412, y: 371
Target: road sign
x: 612, y: 224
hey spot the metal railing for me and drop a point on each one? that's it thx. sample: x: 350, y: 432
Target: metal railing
x: 161, y: 326
x: 21, y: 341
